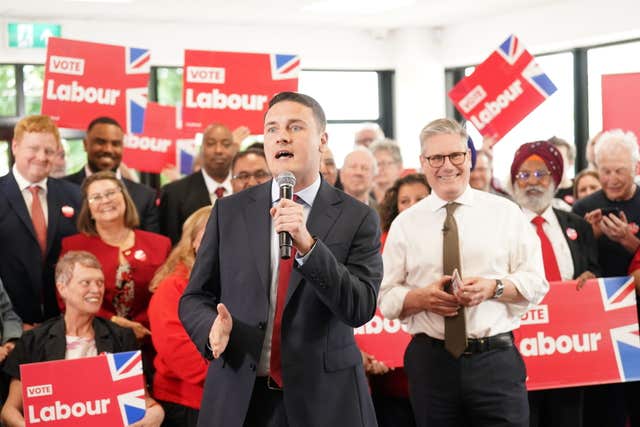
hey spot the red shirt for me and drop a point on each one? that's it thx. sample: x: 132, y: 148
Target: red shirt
x: 147, y: 254
x: 180, y: 368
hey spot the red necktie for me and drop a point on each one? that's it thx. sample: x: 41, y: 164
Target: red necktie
x: 37, y: 216
x: 219, y: 192
x: 285, y: 268
x: 551, y: 269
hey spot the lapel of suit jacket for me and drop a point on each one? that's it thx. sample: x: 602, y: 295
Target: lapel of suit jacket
x: 566, y: 222
x: 54, y: 207
x: 324, y: 212
x: 16, y: 200
x: 198, y: 195
x: 258, y: 223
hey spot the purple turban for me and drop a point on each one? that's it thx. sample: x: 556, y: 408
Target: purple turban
x: 549, y: 154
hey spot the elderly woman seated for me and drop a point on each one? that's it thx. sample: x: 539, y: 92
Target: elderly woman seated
x: 75, y: 334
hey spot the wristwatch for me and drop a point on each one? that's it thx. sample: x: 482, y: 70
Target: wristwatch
x: 499, y: 289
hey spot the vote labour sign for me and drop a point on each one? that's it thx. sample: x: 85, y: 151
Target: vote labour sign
x: 584, y: 337
x: 155, y: 148
x: 571, y: 338
x: 100, y: 391
x: 234, y: 88
x: 502, y: 90
x: 85, y: 80
x: 620, y: 94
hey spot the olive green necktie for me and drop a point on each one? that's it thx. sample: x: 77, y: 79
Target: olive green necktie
x: 455, y: 331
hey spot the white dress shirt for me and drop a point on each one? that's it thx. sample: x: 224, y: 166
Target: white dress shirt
x: 555, y: 233
x: 24, y: 184
x: 213, y: 185
x: 495, y: 241
x: 308, y: 195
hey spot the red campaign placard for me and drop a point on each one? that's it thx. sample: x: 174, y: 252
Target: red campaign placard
x: 383, y: 338
x: 234, y: 88
x: 620, y: 94
x: 100, y: 391
x: 584, y: 337
x: 502, y: 90
x: 155, y: 149
x: 84, y: 80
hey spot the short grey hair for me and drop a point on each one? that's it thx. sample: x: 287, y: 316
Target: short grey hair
x: 374, y: 162
x: 390, y: 146
x: 67, y: 263
x: 375, y: 127
x: 443, y: 126
x: 618, y: 138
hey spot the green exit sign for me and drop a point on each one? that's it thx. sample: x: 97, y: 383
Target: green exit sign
x: 32, y: 35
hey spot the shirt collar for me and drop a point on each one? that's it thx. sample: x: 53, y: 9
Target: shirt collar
x: 308, y: 195
x: 212, y: 184
x: 548, y: 214
x: 88, y: 172
x: 434, y: 202
x: 23, y: 183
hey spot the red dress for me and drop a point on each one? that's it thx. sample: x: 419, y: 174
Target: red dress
x: 147, y: 254
x: 180, y: 368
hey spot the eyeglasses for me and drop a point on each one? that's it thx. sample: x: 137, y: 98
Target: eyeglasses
x: 539, y: 174
x: 437, y: 160
x: 260, y: 175
x: 107, y: 195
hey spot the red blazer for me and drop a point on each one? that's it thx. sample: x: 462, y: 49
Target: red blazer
x: 147, y: 254
x: 180, y: 369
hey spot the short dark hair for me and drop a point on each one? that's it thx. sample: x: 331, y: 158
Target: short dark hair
x: 241, y: 154
x: 305, y: 100
x: 103, y: 120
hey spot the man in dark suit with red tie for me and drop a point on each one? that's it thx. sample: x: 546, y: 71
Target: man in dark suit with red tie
x: 104, y: 145
x: 279, y: 332
x: 569, y: 251
x: 36, y: 212
x: 183, y: 197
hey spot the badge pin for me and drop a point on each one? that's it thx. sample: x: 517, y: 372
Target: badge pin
x: 140, y: 255
x: 572, y: 233
x: 67, y: 211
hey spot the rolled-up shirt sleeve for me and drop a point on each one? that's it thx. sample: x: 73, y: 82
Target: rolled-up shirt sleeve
x: 394, y: 289
x: 526, y: 266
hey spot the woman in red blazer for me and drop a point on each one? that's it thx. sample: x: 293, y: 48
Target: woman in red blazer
x: 129, y: 257
x: 180, y: 369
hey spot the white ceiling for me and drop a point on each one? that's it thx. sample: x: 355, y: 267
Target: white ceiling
x: 370, y: 14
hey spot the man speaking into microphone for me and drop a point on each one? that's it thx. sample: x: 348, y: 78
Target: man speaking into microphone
x: 277, y: 324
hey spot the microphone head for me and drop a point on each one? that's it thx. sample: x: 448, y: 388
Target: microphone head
x: 286, y: 178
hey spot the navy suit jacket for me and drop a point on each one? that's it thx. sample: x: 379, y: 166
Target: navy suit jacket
x: 143, y: 197
x: 333, y: 291
x: 28, y: 279
x: 180, y: 199
x: 584, y: 248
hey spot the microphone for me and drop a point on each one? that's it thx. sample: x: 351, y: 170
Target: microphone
x: 286, y: 181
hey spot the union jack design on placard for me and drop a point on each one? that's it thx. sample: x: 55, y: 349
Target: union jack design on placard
x: 124, y: 365
x: 132, y: 406
x: 136, y: 107
x: 284, y: 66
x: 185, y: 155
x: 538, y: 79
x: 137, y: 60
x: 511, y: 49
x: 619, y: 293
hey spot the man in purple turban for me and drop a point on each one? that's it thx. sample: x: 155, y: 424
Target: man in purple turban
x: 569, y: 252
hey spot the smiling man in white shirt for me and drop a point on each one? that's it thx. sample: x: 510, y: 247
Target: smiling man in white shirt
x: 462, y: 365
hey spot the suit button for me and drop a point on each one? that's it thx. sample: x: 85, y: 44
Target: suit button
x: 262, y: 325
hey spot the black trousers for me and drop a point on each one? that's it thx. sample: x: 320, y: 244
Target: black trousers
x: 560, y: 407
x: 482, y: 389
x: 266, y: 408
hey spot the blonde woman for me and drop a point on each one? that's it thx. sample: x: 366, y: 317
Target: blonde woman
x: 180, y: 369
